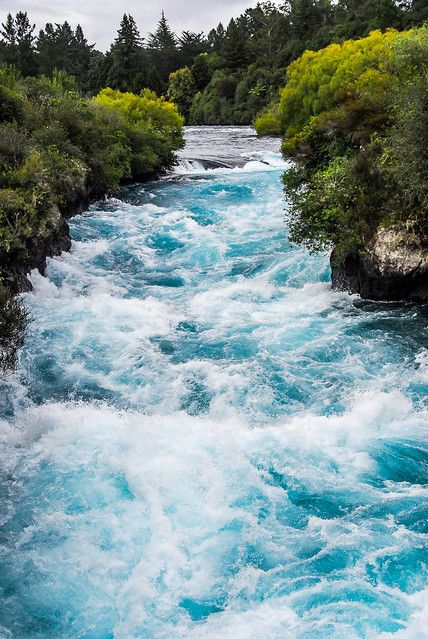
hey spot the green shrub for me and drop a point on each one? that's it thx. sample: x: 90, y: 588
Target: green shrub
x: 267, y: 123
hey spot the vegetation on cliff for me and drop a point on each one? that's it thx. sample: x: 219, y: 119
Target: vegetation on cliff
x: 58, y: 149
x: 355, y: 121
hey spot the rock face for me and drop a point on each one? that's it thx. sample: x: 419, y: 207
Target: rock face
x: 395, y: 267
x: 52, y: 241
x: 35, y: 252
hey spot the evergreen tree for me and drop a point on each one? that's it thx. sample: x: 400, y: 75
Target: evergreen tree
x: 216, y: 37
x: 163, y: 50
x: 163, y: 39
x: 191, y: 45
x: 304, y: 18
x: 127, y: 70
x: 18, y: 43
x: 99, y: 66
x: 8, y: 40
x: 81, y: 53
x: 55, y: 47
x: 60, y: 48
x: 356, y: 19
x: 8, y: 31
x: 268, y: 29
x: 154, y: 80
x: 234, y: 50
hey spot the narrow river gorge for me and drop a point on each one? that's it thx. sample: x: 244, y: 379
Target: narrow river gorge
x: 203, y: 440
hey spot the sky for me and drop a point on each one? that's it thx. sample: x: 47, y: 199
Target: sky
x: 100, y: 18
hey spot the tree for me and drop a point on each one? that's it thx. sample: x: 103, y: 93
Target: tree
x: 216, y: 38
x: 181, y: 89
x: 357, y: 19
x: 127, y: 71
x: 99, y: 66
x: 304, y: 18
x: 8, y: 41
x: 234, y: 50
x: 18, y: 43
x: 191, y: 45
x: 163, y: 49
x: 268, y: 29
x: 55, y: 48
x: 201, y: 72
x: 81, y: 53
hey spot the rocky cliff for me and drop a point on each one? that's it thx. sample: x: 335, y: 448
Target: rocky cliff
x: 394, y: 267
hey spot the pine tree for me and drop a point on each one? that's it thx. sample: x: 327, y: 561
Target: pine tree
x: 8, y: 40
x: 81, y: 54
x: 127, y: 70
x: 163, y: 51
x: 304, y: 18
x: 163, y: 39
x: 191, y: 45
x: 99, y: 67
x: 8, y: 31
x: 216, y: 37
x: 55, y: 47
x: 26, y: 60
x: 18, y: 43
x: 234, y: 50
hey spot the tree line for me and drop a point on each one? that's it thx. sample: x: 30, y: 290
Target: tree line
x: 132, y: 63
x: 225, y: 76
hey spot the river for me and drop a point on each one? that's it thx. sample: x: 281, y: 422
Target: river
x: 205, y: 441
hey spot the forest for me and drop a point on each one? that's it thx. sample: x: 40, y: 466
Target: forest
x: 226, y: 76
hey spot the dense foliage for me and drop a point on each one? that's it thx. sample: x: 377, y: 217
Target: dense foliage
x: 57, y: 148
x: 225, y: 77
x: 246, y: 63
x: 355, y: 120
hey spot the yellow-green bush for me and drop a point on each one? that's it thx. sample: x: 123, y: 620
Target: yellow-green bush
x: 320, y: 81
x: 145, y: 111
x: 267, y: 123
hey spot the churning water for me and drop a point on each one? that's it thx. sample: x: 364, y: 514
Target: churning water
x: 204, y: 441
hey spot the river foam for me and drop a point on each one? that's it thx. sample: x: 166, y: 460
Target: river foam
x: 204, y: 440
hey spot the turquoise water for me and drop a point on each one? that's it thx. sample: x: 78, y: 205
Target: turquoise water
x: 203, y: 440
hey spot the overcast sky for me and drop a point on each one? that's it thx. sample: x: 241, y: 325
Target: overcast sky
x: 100, y: 18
